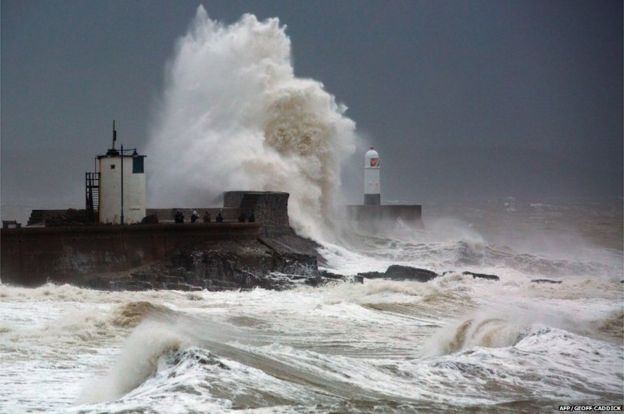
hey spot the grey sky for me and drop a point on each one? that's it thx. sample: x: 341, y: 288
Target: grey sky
x: 486, y: 98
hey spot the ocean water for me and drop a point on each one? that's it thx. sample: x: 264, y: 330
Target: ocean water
x: 454, y: 343
x: 233, y: 115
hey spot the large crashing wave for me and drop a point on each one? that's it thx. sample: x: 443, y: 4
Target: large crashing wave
x: 234, y: 116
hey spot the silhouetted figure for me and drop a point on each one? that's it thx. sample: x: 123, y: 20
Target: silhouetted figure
x: 241, y: 217
x: 207, y: 217
x: 179, y: 217
x: 219, y: 218
x: 194, y: 216
x: 252, y: 218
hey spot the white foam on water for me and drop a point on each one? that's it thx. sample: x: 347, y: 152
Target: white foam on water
x: 382, y: 339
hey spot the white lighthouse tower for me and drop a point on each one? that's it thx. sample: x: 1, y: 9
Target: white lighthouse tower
x: 372, y: 187
x: 121, y: 189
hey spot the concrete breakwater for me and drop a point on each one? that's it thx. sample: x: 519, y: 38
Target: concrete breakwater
x: 213, y: 256
x: 216, y: 256
x: 165, y: 255
x: 32, y: 256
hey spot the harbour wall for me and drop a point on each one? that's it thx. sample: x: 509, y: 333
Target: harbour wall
x: 33, y: 256
x: 409, y: 213
x: 270, y: 208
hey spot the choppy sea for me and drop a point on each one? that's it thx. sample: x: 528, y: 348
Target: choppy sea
x: 454, y: 343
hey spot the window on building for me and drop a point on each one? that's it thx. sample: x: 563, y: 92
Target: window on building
x: 137, y: 165
x: 112, y: 166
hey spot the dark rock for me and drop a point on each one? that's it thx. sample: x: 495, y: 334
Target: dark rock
x: 482, y: 276
x: 397, y: 272
x: 142, y: 275
x: 277, y: 263
x: 371, y: 275
x: 167, y: 279
x: 330, y: 275
x: 270, y: 263
x: 314, y: 281
x: 545, y: 281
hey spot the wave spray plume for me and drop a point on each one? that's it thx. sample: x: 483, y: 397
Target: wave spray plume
x: 234, y: 116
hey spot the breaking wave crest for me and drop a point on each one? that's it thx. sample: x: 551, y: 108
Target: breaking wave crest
x: 276, y: 375
x: 139, y: 360
x: 343, y: 347
x: 483, y: 332
x: 613, y: 325
x: 131, y: 314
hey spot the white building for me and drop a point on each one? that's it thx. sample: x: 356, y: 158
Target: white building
x: 116, y: 191
x: 113, y: 203
x: 372, y: 186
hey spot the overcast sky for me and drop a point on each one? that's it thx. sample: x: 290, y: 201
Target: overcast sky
x: 462, y: 98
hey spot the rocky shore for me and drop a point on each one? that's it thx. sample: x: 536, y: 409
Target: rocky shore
x: 271, y: 263
x: 276, y: 263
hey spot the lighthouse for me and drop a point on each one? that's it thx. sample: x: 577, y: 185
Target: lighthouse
x: 372, y: 187
x: 116, y: 191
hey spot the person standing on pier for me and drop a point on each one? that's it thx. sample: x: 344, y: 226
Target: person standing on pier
x: 179, y: 217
